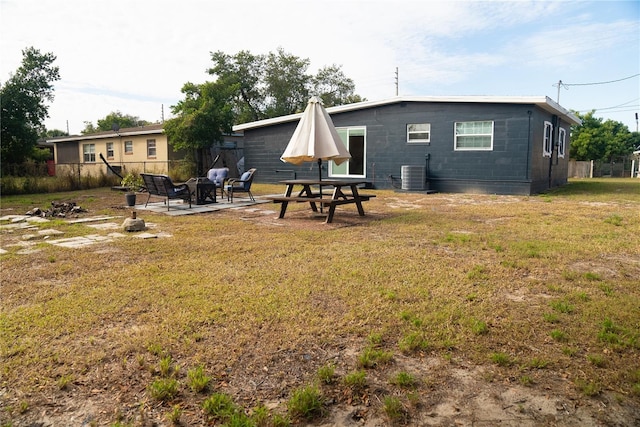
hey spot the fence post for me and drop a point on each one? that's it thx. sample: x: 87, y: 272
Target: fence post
x: 591, y: 170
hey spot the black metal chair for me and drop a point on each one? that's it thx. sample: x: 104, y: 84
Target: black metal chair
x: 241, y: 185
x: 162, y: 186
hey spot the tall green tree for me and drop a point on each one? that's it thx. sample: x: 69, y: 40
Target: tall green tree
x: 333, y: 87
x: 114, y: 120
x: 202, y: 118
x: 242, y: 74
x: 265, y: 86
x: 23, y: 104
x: 596, y: 139
x: 287, y: 84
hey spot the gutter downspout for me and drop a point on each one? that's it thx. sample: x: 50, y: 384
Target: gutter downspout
x: 527, y: 175
x: 554, y: 141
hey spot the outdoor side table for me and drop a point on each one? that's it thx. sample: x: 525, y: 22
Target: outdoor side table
x: 203, y: 190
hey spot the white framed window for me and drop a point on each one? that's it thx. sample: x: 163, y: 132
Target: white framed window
x: 547, y: 140
x: 109, y: 150
x: 89, y: 153
x: 473, y: 135
x: 419, y: 133
x: 128, y: 147
x: 151, y: 148
x: 562, y: 138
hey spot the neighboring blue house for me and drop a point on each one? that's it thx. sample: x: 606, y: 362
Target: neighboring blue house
x: 472, y: 144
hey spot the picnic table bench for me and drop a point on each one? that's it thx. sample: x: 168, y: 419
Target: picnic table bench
x: 335, y: 198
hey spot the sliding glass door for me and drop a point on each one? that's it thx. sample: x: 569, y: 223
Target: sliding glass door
x: 354, y: 138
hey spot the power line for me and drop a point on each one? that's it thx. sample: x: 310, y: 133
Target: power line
x: 599, y: 83
x: 566, y: 85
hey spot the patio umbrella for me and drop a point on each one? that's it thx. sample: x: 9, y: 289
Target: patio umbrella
x: 315, y: 139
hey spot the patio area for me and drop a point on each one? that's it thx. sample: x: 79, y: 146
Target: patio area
x: 179, y: 207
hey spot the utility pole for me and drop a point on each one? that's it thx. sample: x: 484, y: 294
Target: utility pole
x: 559, y: 85
x: 397, y: 81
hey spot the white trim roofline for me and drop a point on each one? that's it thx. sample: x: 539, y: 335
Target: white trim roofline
x: 543, y: 102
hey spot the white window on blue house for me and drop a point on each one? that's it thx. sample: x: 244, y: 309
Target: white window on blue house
x: 419, y: 133
x: 109, y: 150
x: 474, y: 136
x: 89, y: 153
x: 562, y: 138
x: 547, y: 141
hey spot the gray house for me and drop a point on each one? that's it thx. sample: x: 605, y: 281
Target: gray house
x: 473, y: 144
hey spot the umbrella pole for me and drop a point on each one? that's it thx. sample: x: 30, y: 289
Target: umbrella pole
x: 320, y: 179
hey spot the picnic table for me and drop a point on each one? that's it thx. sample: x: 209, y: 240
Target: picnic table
x: 344, y: 192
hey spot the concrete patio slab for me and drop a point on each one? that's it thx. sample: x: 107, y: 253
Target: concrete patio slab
x: 178, y: 208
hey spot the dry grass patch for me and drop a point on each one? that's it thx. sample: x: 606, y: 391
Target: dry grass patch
x: 526, y: 288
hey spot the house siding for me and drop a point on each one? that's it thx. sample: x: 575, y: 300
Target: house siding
x: 515, y: 165
x: 69, y: 152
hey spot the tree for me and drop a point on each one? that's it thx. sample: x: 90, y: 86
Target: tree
x: 202, y: 118
x: 112, y: 121
x: 53, y: 133
x: 287, y: 84
x: 596, y: 139
x: 334, y: 87
x: 265, y: 86
x: 23, y: 104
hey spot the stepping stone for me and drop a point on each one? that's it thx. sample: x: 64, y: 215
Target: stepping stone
x: 116, y: 235
x: 146, y: 236
x: 91, y: 219
x: 36, y: 219
x: 49, y: 232
x: 28, y: 251
x: 104, y: 226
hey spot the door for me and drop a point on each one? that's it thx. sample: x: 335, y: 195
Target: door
x: 354, y: 138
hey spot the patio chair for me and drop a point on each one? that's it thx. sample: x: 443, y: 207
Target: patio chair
x: 241, y: 185
x: 219, y: 176
x: 162, y: 186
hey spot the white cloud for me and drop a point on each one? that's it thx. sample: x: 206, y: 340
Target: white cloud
x: 134, y: 56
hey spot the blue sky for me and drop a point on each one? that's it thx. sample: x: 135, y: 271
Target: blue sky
x: 134, y: 56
